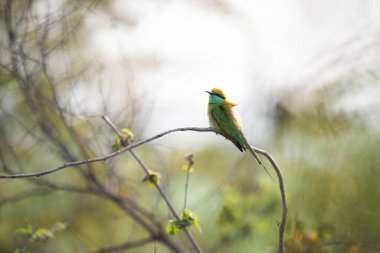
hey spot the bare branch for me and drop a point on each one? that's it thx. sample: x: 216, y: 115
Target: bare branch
x: 125, y: 246
x: 24, y: 195
x: 283, y: 197
x: 195, y: 129
x: 106, y: 157
x: 158, y: 187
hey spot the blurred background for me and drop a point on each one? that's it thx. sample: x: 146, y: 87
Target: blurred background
x: 304, y: 73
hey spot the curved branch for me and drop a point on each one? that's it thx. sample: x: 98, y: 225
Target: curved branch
x: 195, y: 129
x: 106, y: 157
x: 283, y: 197
x: 158, y: 187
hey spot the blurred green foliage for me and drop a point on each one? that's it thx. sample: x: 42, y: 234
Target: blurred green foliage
x: 186, y: 219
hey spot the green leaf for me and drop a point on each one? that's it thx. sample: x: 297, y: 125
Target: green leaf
x: 27, y: 230
x: 41, y: 234
x: 59, y: 226
x: 153, y: 178
x: 127, y: 134
x: 172, y: 229
x: 126, y: 138
x: 186, y: 167
x: 187, y: 219
x: 116, y: 147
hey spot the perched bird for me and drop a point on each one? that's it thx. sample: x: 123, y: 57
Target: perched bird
x: 224, y: 118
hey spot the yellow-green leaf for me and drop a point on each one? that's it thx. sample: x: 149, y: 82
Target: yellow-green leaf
x: 186, y: 167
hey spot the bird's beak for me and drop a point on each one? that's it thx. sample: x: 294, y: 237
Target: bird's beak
x: 208, y: 92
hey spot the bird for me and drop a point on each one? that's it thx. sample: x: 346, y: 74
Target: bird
x: 224, y: 118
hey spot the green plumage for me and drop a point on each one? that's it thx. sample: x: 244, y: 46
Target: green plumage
x: 222, y: 116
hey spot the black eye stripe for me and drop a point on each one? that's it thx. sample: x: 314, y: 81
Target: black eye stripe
x: 218, y: 95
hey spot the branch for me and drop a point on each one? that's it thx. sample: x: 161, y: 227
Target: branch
x: 158, y: 187
x: 106, y: 157
x: 283, y: 197
x: 24, y: 195
x: 125, y: 246
x: 137, y: 144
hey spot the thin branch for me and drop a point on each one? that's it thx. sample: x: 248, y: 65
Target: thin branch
x: 158, y: 187
x: 24, y: 195
x: 112, y: 125
x: 190, y: 164
x: 168, y: 203
x: 126, y: 246
x: 106, y: 157
x: 283, y: 197
x: 137, y: 144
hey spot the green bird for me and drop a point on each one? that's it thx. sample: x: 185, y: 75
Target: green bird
x: 224, y: 118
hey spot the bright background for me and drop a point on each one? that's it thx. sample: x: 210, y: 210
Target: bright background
x: 256, y: 51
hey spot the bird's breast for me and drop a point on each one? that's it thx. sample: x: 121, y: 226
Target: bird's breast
x: 211, y: 118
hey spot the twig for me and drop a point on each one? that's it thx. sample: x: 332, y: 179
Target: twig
x: 126, y: 246
x: 190, y: 164
x: 24, y: 195
x: 186, y: 187
x: 158, y: 187
x: 283, y: 197
x: 137, y: 144
x: 111, y: 155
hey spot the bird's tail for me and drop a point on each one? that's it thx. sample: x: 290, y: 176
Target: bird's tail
x: 250, y: 150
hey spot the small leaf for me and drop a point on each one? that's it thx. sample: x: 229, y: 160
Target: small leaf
x: 172, y: 229
x: 116, y: 147
x: 27, y: 230
x: 42, y: 234
x: 187, y: 219
x: 186, y: 167
x: 190, y: 218
x: 59, y: 226
x: 153, y: 178
x: 127, y: 134
x: 125, y: 140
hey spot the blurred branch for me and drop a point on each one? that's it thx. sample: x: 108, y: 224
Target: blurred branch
x: 158, y: 187
x: 106, y: 157
x: 137, y: 144
x: 190, y: 160
x: 283, y: 197
x: 125, y: 246
x: 24, y: 195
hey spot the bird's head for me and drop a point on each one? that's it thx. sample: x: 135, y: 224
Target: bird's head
x: 217, y: 97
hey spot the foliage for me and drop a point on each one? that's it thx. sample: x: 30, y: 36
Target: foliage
x: 187, y: 219
x: 153, y: 178
x: 33, y: 235
x: 126, y: 139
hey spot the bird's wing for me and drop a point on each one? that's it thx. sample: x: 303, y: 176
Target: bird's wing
x: 229, y: 126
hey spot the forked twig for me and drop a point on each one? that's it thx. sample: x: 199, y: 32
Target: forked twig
x: 142, y: 142
x: 158, y: 187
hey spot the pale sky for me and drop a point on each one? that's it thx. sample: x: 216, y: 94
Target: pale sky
x: 254, y: 50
